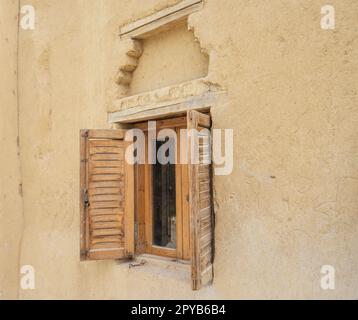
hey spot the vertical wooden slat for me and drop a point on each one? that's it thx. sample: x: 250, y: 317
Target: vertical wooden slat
x: 179, y: 209
x: 129, y: 209
x: 185, y: 210
x: 148, y: 202
x: 83, y: 187
x: 140, y: 208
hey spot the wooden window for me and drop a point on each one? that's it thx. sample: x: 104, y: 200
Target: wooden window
x: 163, y: 201
x: 163, y: 210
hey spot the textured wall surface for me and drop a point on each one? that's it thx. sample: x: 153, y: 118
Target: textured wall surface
x: 162, y: 54
x: 289, y: 207
x: 10, y: 189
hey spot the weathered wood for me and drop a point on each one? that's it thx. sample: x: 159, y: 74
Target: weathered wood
x: 106, y: 205
x: 129, y: 209
x: 83, y: 188
x: 171, y: 123
x: 106, y: 254
x: 158, y: 21
x: 200, y: 206
x: 107, y: 218
x: 103, y: 191
x: 179, y: 203
x: 106, y: 134
x: 106, y: 211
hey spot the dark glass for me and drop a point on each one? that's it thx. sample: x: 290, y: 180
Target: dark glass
x: 164, y: 204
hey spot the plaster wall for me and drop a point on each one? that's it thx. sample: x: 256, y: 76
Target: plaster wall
x: 290, y: 205
x: 169, y: 58
x: 11, y: 219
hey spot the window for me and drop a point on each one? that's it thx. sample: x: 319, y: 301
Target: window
x: 162, y: 193
x: 164, y: 203
x: 160, y: 209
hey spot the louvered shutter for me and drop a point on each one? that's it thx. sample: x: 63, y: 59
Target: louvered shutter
x: 200, y: 199
x: 107, y: 201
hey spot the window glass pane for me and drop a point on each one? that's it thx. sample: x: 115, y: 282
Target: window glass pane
x: 164, y: 203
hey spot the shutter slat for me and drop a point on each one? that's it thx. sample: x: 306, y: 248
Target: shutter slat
x: 107, y: 218
x: 101, y: 170
x: 106, y: 205
x: 106, y: 177
x: 106, y: 197
x: 107, y: 164
x: 106, y: 232
x: 103, y: 191
x: 106, y: 225
x: 107, y: 239
x: 106, y: 157
x: 106, y: 184
x: 106, y: 211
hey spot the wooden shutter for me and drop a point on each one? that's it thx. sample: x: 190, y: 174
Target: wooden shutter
x: 200, y: 201
x: 106, y: 196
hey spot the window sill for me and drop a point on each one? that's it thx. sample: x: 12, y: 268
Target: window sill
x: 166, y: 267
x: 167, y: 263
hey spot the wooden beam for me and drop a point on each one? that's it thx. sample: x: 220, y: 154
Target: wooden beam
x: 156, y: 22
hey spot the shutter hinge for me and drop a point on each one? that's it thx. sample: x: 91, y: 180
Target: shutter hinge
x: 85, y: 198
x: 85, y: 133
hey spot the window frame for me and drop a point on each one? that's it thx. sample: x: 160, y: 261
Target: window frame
x: 144, y: 192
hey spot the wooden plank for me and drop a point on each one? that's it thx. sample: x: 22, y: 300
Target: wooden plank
x: 106, y: 211
x: 108, y: 245
x: 178, y: 199
x: 140, y: 208
x: 107, y: 164
x: 106, y: 232
x: 107, y: 218
x: 106, y: 204
x: 106, y: 157
x: 106, y: 225
x: 96, y: 185
x: 106, y: 134
x: 129, y: 208
x: 106, y: 197
x: 186, y: 217
x: 193, y: 207
x: 147, y: 26
x: 163, y: 124
x: 105, y: 143
x: 104, y: 191
x: 164, y: 252
x: 106, y: 177
x: 96, y: 171
x: 83, y: 187
x: 148, y: 204
x: 108, y: 239
x: 105, y: 254
x: 105, y: 150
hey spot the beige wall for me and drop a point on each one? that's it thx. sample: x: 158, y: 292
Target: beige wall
x: 10, y: 190
x: 162, y: 54
x: 289, y: 207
